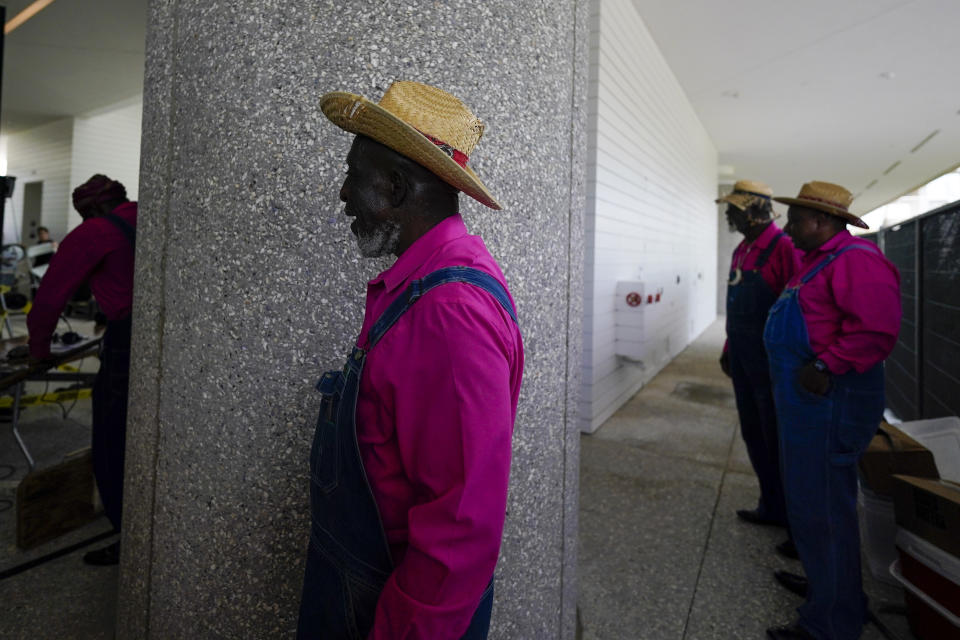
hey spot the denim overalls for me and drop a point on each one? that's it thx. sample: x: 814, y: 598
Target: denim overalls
x: 821, y: 439
x: 348, y: 559
x: 747, y: 305
x: 109, y: 400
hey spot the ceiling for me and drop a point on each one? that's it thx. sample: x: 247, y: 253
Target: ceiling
x: 788, y: 91
x: 820, y: 90
x: 73, y: 57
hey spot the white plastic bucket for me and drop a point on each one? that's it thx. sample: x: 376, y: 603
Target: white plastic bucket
x: 878, y: 533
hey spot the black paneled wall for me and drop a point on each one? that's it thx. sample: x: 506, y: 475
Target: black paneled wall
x: 923, y: 371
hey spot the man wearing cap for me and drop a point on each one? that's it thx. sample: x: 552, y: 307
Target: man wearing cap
x: 827, y: 337
x: 761, y: 266
x: 411, y: 453
x: 99, y: 252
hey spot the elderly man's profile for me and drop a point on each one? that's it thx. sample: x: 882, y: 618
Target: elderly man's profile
x: 411, y: 454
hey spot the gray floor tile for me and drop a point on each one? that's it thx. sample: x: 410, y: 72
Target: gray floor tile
x: 644, y: 521
x: 736, y: 595
x: 662, y: 554
x: 62, y: 598
x: 59, y: 600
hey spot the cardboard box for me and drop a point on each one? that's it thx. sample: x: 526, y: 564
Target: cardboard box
x: 894, y: 452
x: 930, y: 509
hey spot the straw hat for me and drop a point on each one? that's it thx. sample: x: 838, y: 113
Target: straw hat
x: 423, y: 123
x: 745, y: 193
x: 828, y: 197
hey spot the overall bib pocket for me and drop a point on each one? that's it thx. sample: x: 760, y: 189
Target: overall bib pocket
x: 741, y: 300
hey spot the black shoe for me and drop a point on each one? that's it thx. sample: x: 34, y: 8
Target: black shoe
x: 789, y: 632
x: 107, y: 556
x: 753, y: 517
x: 792, y: 582
x: 788, y: 550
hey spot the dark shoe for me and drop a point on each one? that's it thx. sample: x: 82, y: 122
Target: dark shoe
x: 753, y: 517
x: 788, y: 550
x: 792, y: 582
x: 107, y: 556
x: 789, y: 632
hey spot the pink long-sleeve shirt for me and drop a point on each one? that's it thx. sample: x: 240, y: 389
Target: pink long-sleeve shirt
x: 435, y: 413
x: 779, y: 268
x: 96, y: 252
x: 783, y: 262
x: 852, y: 307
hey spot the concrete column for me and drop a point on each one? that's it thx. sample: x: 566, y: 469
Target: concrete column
x: 249, y: 286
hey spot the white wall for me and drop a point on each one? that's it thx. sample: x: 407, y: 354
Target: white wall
x: 108, y: 141
x: 727, y: 241
x: 65, y: 153
x: 652, y: 180
x: 41, y: 153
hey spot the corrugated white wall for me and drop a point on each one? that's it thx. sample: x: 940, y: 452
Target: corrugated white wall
x: 65, y: 153
x: 108, y: 141
x: 41, y: 153
x: 652, y: 180
x: 727, y: 241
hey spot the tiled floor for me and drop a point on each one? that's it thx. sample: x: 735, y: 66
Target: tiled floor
x: 662, y: 553
x: 62, y: 599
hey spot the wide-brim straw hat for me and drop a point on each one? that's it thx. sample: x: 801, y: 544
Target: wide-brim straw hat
x: 423, y: 123
x: 745, y: 193
x: 827, y: 197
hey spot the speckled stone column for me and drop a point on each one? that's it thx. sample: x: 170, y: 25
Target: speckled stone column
x: 249, y: 285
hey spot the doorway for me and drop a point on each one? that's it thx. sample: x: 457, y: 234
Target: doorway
x: 32, y: 208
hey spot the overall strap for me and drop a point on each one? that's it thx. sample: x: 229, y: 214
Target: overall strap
x: 124, y: 227
x: 830, y: 258
x: 762, y: 260
x: 418, y: 288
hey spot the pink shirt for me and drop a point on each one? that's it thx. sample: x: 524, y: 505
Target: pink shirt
x: 435, y: 413
x: 96, y: 252
x: 852, y: 307
x: 778, y: 269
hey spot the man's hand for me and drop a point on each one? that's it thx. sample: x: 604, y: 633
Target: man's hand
x: 725, y: 363
x: 814, y: 381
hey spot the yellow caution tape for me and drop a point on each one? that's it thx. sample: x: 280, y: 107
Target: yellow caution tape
x: 67, y: 395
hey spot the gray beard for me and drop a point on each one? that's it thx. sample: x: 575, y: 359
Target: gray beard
x: 383, y: 240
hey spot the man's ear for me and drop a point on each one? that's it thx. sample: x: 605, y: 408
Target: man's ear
x: 399, y: 188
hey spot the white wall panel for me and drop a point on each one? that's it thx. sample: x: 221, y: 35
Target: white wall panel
x: 651, y: 183
x: 108, y: 142
x: 64, y: 154
x: 40, y: 154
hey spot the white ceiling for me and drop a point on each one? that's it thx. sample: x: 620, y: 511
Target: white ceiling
x: 796, y: 91
x: 788, y: 91
x: 73, y: 57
